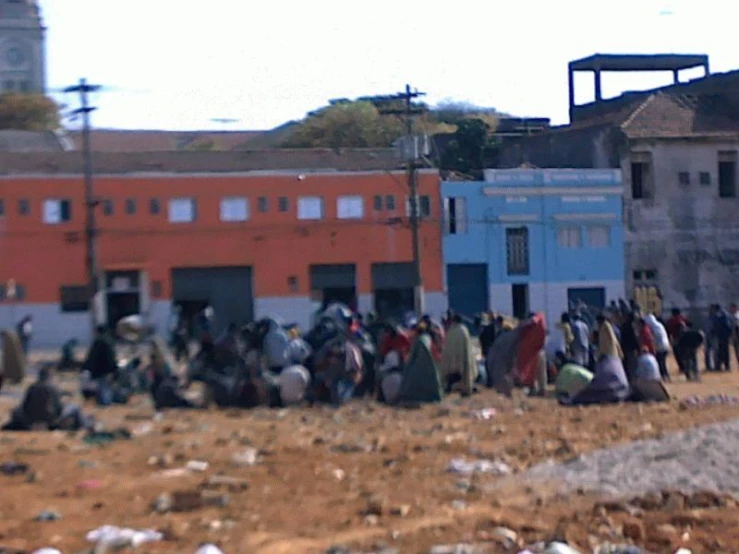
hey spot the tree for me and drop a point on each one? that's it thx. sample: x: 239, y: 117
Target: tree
x: 346, y: 124
x: 470, y: 148
x: 451, y: 112
x: 28, y: 112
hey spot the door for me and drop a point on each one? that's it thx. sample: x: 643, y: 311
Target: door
x: 335, y: 283
x: 392, y: 287
x: 592, y: 297
x: 520, y: 300
x: 228, y: 290
x: 467, y: 285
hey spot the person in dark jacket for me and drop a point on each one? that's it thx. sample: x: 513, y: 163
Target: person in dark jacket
x: 687, y: 343
x: 488, y: 333
x: 42, y: 408
x: 101, y: 363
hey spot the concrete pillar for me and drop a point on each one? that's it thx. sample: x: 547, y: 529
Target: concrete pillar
x: 675, y: 76
x: 598, y: 87
x: 571, y: 81
x: 707, y: 68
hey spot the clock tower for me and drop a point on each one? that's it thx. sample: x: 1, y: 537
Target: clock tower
x: 22, y: 47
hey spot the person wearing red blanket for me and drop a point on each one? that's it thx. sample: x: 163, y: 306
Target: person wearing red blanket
x: 533, y: 335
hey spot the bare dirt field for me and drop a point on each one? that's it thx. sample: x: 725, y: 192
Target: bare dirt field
x: 365, y: 476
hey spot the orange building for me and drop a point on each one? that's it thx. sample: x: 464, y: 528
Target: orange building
x: 249, y: 243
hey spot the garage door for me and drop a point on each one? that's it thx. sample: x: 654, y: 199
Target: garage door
x: 468, y: 288
x: 227, y: 289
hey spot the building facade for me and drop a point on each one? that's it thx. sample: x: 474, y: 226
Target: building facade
x: 22, y: 47
x: 678, y: 150
x: 250, y: 244
x: 538, y: 240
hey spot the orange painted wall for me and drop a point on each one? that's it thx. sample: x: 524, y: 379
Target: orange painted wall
x: 277, y: 245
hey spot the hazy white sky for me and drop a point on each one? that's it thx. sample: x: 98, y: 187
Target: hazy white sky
x: 177, y: 64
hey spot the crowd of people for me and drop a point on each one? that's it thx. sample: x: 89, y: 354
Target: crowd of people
x: 620, y: 354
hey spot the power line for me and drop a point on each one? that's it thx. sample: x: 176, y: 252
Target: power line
x: 91, y: 231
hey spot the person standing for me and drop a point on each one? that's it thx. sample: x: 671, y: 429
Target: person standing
x: 25, y: 332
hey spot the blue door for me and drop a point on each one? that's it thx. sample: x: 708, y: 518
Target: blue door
x: 467, y: 285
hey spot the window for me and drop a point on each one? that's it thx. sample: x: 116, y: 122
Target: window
x: 569, y: 237
x: 182, y: 210
x: 390, y: 202
x: 641, y: 275
x: 727, y: 174
x: 56, y: 211
x: 517, y: 250
x: 705, y: 178
x: 424, y: 206
x: 292, y: 283
x: 9, y: 85
x: 350, y: 207
x: 283, y: 204
x: 641, y: 175
x: 310, y: 207
x: 234, y: 209
x: 18, y: 292
x: 25, y: 86
x: 455, y: 215
x: 74, y: 298
x: 599, y: 236
x: 262, y: 204
x: 154, y: 207
x: 2, y: 207
x: 377, y: 203
x: 24, y: 206
x: 130, y: 206
x: 683, y: 178
x: 108, y: 207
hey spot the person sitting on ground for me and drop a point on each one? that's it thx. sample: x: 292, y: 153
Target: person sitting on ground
x: 458, y: 365
x: 165, y: 386
x: 101, y: 364
x: 42, y: 408
x: 67, y: 360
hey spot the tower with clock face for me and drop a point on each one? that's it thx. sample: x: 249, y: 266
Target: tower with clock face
x: 22, y: 47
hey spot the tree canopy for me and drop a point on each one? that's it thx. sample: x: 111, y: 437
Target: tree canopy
x: 28, y: 112
x: 361, y: 123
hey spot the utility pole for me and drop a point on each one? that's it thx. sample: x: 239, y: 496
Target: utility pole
x: 91, y: 230
x: 412, y: 155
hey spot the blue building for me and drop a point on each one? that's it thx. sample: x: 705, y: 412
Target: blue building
x: 534, y: 240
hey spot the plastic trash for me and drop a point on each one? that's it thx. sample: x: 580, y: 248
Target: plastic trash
x: 197, y: 466
x: 560, y: 548
x: 209, y: 549
x: 463, y: 467
x: 117, y: 537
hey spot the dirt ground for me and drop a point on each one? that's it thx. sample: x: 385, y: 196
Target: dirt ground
x: 363, y: 476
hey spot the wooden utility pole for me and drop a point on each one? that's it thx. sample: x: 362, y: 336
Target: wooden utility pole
x: 91, y: 230
x: 412, y: 155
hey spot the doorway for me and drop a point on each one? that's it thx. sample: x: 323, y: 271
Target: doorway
x: 520, y: 300
x: 189, y: 311
x: 393, y: 303
x: 340, y: 295
x: 120, y: 305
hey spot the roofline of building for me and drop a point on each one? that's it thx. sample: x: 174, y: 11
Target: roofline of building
x: 707, y: 137
x: 174, y: 131
x: 213, y: 174
x: 639, y: 62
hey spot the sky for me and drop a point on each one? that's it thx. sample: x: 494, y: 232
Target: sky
x: 180, y: 64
